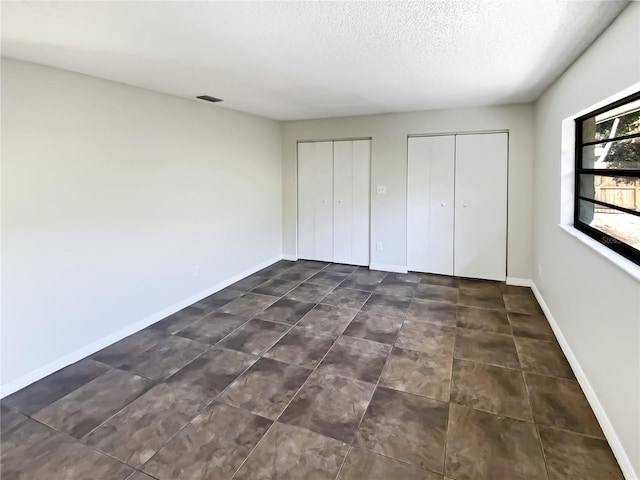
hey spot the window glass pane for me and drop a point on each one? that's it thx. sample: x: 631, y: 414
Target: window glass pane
x: 619, y: 191
x: 622, y: 226
x: 617, y: 122
x: 623, y: 154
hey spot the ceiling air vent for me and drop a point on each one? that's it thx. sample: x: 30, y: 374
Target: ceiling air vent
x: 209, y: 98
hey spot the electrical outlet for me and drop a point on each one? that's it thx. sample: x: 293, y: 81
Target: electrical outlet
x: 379, y: 246
x: 539, y: 270
x: 195, y: 270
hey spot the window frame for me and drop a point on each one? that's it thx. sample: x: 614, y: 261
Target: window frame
x: 603, y: 238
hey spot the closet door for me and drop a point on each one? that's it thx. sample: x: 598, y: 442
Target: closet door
x: 351, y: 160
x: 481, y: 206
x: 430, y: 204
x: 315, y: 201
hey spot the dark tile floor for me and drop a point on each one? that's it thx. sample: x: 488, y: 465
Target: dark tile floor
x: 306, y: 370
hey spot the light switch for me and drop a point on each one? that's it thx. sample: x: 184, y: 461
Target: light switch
x: 381, y: 189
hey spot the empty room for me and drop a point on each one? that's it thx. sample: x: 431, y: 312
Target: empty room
x: 320, y: 240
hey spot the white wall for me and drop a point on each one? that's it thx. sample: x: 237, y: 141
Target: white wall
x: 595, y: 304
x: 389, y: 167
x: 110, y: 194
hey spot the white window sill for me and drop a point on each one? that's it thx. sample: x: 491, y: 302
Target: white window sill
x: 626, y: 265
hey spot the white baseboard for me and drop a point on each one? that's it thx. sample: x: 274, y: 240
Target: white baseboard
x: 520, y: 282
x: 616, y: 445
x: 291, y: 257
x: 388, y: 268
x: 35, y: 375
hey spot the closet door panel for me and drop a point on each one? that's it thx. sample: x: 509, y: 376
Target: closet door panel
x: 481, y: 206
x: 351, y: 202
x: 315, y: 201
x: 343, y: 177
x: 360, y: 236
x: 430, y: 204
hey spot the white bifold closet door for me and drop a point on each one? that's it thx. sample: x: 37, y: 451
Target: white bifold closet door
x: 430, y: 204
x: 481, y: 206
x: 315, y: 201
x: 457, y: 205
x: 351, y: 201
x: 333, y: 201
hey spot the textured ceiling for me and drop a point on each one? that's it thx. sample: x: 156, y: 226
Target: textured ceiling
x: 295, y: 60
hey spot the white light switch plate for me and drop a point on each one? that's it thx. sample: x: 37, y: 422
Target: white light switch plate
x: 381, y: 189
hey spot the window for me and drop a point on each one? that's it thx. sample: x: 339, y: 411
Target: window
x: 607, y: 197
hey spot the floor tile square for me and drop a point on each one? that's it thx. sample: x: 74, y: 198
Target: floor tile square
x: 493, y: 389
x: 391, y: 286
x: 265, y: 388
x: 296, y: 274
x: 364, y: 465
x: 356, y: 358
x: 406, y: 427
x: 443, y: 280
x: 475, y: 318
x: 212, y: 446
x: 327, y: 318
x: 122, y: 351
x: 544, y: 357
x: 418, y: 372
x: 530, y: 326
x: 249, y: 305
x: 9, y: 418
x: 427, y: 337
x: 487, y: 286
x: 44, y: 392
x: 411, y: 277
x: 302, y: 346
x: 374, y: 326
x: 255, y: 336
x: 33, y: 451
x: 180, y: 320
x: 329, y: 405
x: 85, y: 408
x: 212, y: 372
x: 395, y: 305
x: 483, y: 445
x: 212, y: 328
x: 309, y: 292
x: 312, y: 264
x: 560, y: 403
x: 486, y: 347
x: 290, y: 453
x: 483, y: 298
x: 366, y: 280
x: 286, y: 311
x: 218, y: 299
x: 346, y: 298
x: 331, y: 279
x: 249, y: 283
x: 165, y: 358
x: 433, y: 312
x: 437, y: 293
x: 518, y: 303
x: 340, y: 268
x: 573, y: 456
x: 138, y: 431
x: 275, y: 287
